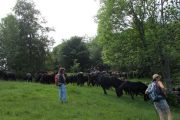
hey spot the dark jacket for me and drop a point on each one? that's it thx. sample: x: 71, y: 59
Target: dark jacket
x: 61, y: 79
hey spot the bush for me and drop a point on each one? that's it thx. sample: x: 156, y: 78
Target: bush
x: 173, y: 99
x: 76, y: 67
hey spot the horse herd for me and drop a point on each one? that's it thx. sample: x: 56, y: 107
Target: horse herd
x: 95, y: 78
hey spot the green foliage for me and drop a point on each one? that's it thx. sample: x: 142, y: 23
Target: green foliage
x: 56, y: 56
x: 31, y: 101
x: 95, y: 52
x: 70, y: 51
x: 76, y: 67
x: 49, y: 62
x: 140, y: 35
x: 9, y: 31
x: 172, y: 100
x: 24, y: 40
x: 76, y: 55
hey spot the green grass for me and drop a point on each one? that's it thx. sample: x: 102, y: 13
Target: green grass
x: 32, y: 101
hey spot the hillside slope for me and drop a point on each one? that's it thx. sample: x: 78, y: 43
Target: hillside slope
x: 32, y: 101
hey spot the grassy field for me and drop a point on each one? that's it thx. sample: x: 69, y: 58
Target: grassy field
x: 32, y: 101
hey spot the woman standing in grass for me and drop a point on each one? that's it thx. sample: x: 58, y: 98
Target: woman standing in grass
x: 156, y: 92
x: 61, y: 84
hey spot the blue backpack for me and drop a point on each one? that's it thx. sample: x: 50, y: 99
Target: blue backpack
x: 154, y: 92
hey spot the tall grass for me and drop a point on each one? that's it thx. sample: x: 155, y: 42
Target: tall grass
x: 32, y: 101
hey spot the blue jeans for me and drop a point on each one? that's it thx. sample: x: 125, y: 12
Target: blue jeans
x: 62, y: 92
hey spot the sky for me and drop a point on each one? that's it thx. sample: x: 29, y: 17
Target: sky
x: 67, y: 17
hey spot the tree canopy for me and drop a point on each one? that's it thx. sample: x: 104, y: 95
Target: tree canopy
x: 24, y: 39
x: 140, y: 35
x: 72, y: 52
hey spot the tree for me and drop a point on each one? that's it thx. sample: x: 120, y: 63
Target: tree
x: 139, y: 34
x: 116, y: 35
x: 72, y: 53
x: 9, y: 30
x: 34, y: 43
x: 95, y: 52
x: 24, y: 41
x: 162, y: 18
x: 76, y: 67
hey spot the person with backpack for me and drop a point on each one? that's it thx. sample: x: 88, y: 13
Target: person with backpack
x: 156, y: 92
x: 61, y: 80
